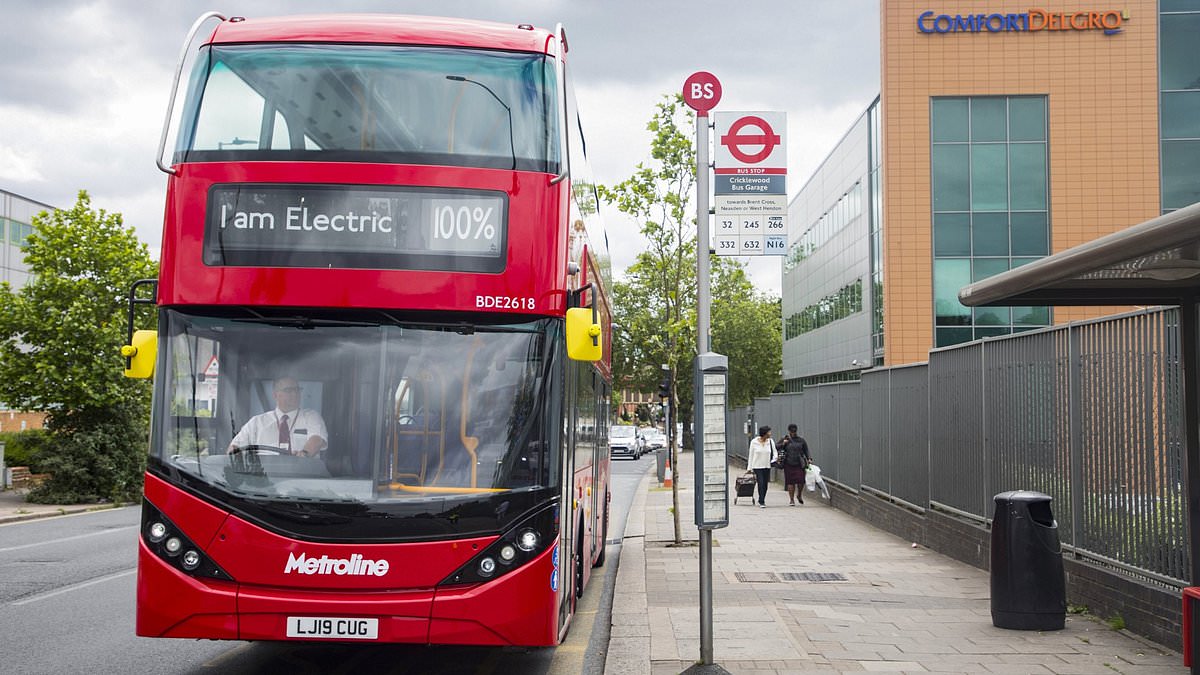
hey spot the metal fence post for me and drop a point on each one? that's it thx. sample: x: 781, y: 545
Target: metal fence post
x: 1075, y: 432
x: 984, y: 455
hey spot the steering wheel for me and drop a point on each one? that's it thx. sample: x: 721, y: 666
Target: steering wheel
x: 260, y: 450
x: 406, y: 419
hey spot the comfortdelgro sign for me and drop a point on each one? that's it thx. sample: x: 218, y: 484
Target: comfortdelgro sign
x: 1030, y: 21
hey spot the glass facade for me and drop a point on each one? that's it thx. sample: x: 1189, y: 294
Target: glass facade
x: 831, y: 312
x: 16, y: 216
x: 875, y: 203
x: 1179, y: 77
x: 848, y: 300
x: 990, y: 207
x: 848, y: 207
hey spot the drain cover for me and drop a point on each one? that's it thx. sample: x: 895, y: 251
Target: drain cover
x: 812, y: 576
x: 756, y: 577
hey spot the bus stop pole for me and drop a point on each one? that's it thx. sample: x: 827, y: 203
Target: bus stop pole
x: 702, y: 322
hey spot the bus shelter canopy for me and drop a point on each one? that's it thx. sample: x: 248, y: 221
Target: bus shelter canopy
x: 1153, y: 263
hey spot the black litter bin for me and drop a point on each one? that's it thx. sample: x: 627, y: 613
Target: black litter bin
x: 1028, y: 586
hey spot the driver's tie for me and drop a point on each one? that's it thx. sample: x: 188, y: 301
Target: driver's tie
x: 285, y: 434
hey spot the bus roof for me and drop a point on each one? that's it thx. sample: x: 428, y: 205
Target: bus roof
x: 384, y: 29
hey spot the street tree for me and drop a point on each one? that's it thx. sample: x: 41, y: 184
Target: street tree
x: 655, y: 326
x: 747, y: 328
x: 59, y: 340
x: 654, y: 306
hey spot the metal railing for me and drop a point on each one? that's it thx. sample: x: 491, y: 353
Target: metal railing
x: 1088, y: 413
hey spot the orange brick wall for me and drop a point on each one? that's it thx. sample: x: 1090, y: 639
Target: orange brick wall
x: 1102, y: 99
x: 11, y: 420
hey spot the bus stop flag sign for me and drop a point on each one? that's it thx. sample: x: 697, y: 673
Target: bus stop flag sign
x: 750, y: 163
x: 702, y: 92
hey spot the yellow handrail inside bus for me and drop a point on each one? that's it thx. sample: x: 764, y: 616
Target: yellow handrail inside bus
x: 424, y: 433
x: 396, y: 433
x: 441, y: 433
x: 440, y: 490
x: 469, y: 442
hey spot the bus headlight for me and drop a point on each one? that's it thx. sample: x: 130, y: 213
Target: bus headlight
x: 507, y: 554
x: 487, y: 567
x: 168, y: 543
x: 527, y: 540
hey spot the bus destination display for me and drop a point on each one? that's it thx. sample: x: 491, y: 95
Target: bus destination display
x: 376, y: 227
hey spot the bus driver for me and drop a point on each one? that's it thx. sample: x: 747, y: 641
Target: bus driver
x: 292, y: 429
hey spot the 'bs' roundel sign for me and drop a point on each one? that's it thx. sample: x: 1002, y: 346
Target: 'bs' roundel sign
x: 702, y: 92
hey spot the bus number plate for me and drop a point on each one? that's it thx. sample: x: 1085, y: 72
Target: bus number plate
x: 332, y: 627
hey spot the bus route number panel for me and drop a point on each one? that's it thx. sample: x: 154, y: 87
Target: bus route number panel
x: 750, y: 225
x: 359, y: 227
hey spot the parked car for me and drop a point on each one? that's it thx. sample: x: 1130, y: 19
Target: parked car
x: 655, y: 439
x: 625, y: 441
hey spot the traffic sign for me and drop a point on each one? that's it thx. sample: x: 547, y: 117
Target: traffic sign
x: 702, y: 92
x: 753, y: 141
x: 763, y: 137
x: 750, y: 183
x: 213, y: 369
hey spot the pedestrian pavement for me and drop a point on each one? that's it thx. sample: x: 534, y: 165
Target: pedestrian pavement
x: 900, y: 608
x: 14, y: 508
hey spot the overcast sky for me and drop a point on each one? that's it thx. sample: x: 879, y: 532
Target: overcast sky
x: 84, y: 85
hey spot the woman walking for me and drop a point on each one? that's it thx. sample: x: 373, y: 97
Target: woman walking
x: 794, y: 449
x: 759, y: 459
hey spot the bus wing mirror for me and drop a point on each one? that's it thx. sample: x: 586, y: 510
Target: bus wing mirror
x: 141, y: 354
x: 585, y: 340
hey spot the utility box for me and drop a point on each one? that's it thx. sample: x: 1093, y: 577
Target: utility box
x: 1028, y: 584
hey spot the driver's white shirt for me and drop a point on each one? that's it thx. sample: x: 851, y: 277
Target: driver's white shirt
x: 264, y: 429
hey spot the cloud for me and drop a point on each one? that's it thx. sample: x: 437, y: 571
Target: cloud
x: 84, y: 84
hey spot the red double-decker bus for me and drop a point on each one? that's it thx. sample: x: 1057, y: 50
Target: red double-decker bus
x: 381, y: 379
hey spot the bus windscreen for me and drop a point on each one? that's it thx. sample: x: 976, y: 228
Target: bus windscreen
x: 355, y: 408
x: 370, y: 103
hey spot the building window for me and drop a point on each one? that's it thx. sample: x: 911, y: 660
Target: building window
x: 844, y: 210
x: 989, y: 177
x: 17, y: 232
x: 1179, y: 106
x: 875, y: 205
x: 848, y: 300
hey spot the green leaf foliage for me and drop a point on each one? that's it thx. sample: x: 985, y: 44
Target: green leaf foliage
x: 747, y: 328
x: 101, y: 458
x: 59, y: 341
x: 24, y: 448
x: 655, y: 304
